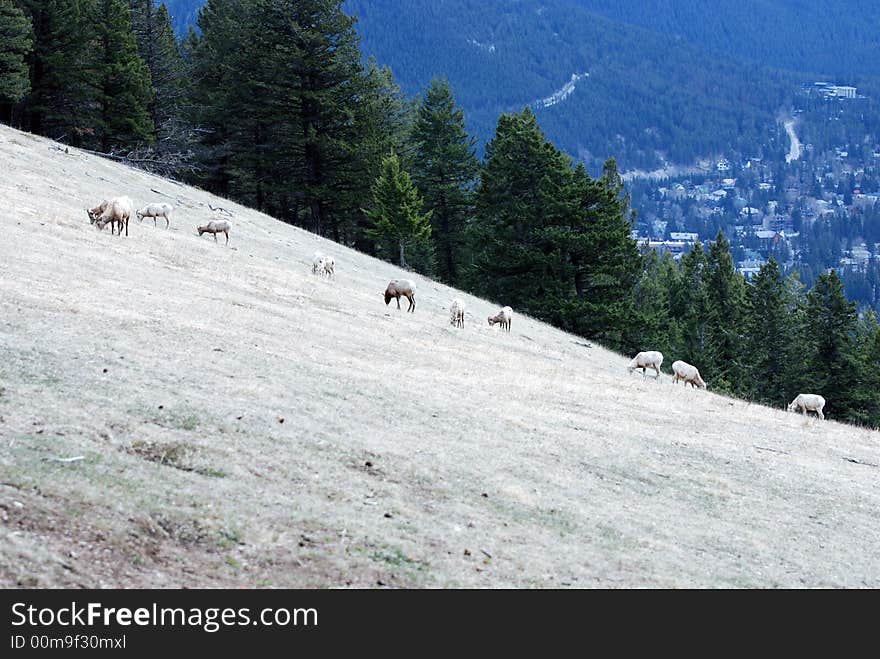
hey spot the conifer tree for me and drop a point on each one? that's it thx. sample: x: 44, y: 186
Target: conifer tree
x: 16, y: 43
x: 687, y: 303
x: 122, y: 80
x: 445, y: 168
x: 397, y: 207
x: 159, y: 50
x: 769, y: 338
x: 725, y: 296
x: 832, y: 362
x: 61, y: 103
x: 383, y: 122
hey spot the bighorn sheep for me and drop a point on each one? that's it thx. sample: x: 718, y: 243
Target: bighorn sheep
x: 323, y: 265
x: 505, y: 316
x: 156, y: 210
x: 645, y: 360
x: 404, y: 287
x: 456, y: 313
x: 688, y: 374
x: 805, y: 402
x: 215, y: 227
x: 113, y: 211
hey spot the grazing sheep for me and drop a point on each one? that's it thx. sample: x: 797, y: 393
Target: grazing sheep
x: 215, y: 227
x: 456, y: 313
x: 805, y: 402
x: 645, y: 360
x: 505, y: 316
x: 688, y: 374
x: 113, y: 211
x: 328, y: 266
x: 404, y: 287
x: 156, y: 210
x: 318, y: 263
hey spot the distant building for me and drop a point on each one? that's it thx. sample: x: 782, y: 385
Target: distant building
x: 686, y: 236
x: 750, y: 268
x: 723, y: 165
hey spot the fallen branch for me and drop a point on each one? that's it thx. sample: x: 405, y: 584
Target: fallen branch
x: 220, y: 209
x: 859, y: 462
x: 488, y: 555
x: 76, y: 458
x: 772, y: 450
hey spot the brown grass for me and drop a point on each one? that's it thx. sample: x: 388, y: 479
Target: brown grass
x: 496, y: 459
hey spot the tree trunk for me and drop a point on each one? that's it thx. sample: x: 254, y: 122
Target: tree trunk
x: 402, y: 260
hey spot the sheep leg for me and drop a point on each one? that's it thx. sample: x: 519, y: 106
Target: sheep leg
x: 154, y: 221
x: 819, y: 412
x: 215, y: 236
x: 227, y: 236
x: 398, y: 301
x: 167, y: 222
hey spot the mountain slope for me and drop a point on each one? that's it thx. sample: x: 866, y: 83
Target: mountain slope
x: 245, y: 423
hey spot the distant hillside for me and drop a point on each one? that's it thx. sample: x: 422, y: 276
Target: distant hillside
x: 655, y: 81
x: 179, y: 413
x: 825, y: 37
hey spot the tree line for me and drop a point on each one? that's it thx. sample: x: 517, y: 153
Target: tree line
x: 271, y: 104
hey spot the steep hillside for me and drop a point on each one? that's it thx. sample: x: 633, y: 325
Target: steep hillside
x: 242, y: 422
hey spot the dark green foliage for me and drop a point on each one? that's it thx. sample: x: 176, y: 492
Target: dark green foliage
x: 278, y: 83
x: 445, y: 168
x: 553, y: 242
x: 397, y: 211
x: 384, y: 121
x: 869, y: 381
x: 831, y: 358
x: 687, y: 307
x: 16, y: 43
x: 725, y: 293
x: 769, y: 354
x: 159, y: 50
x: 61, y: 103
x: 122, y: 88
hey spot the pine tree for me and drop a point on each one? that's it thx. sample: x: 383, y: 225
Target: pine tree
x: 278, y: 84
x: 159, y: 50
x: 725, y: 297
x: 61, y: 103
x: 383, y: 122
x: 445, y: 168
x: 653, y: 329
x: 869, y: 380
x: 687, y: 306
x: 122, y: 80
x: 832, y: 362
x: 16, y: 43
x: 213, y: 82
x: 522, y: 170
x: 396, y: 211
x: 769, y: 348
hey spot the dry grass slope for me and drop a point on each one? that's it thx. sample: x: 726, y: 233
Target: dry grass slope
x: 245, y: 423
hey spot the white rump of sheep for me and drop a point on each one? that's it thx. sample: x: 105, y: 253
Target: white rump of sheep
x: 215, y: 227
x: 456, y: 313
x: 156, y: 210
x: 323, y: 265
x: 112, y: 211
x: 645, y: 360
x: 505, y: 316
x: 688, y: 374
x: 812, y: 402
